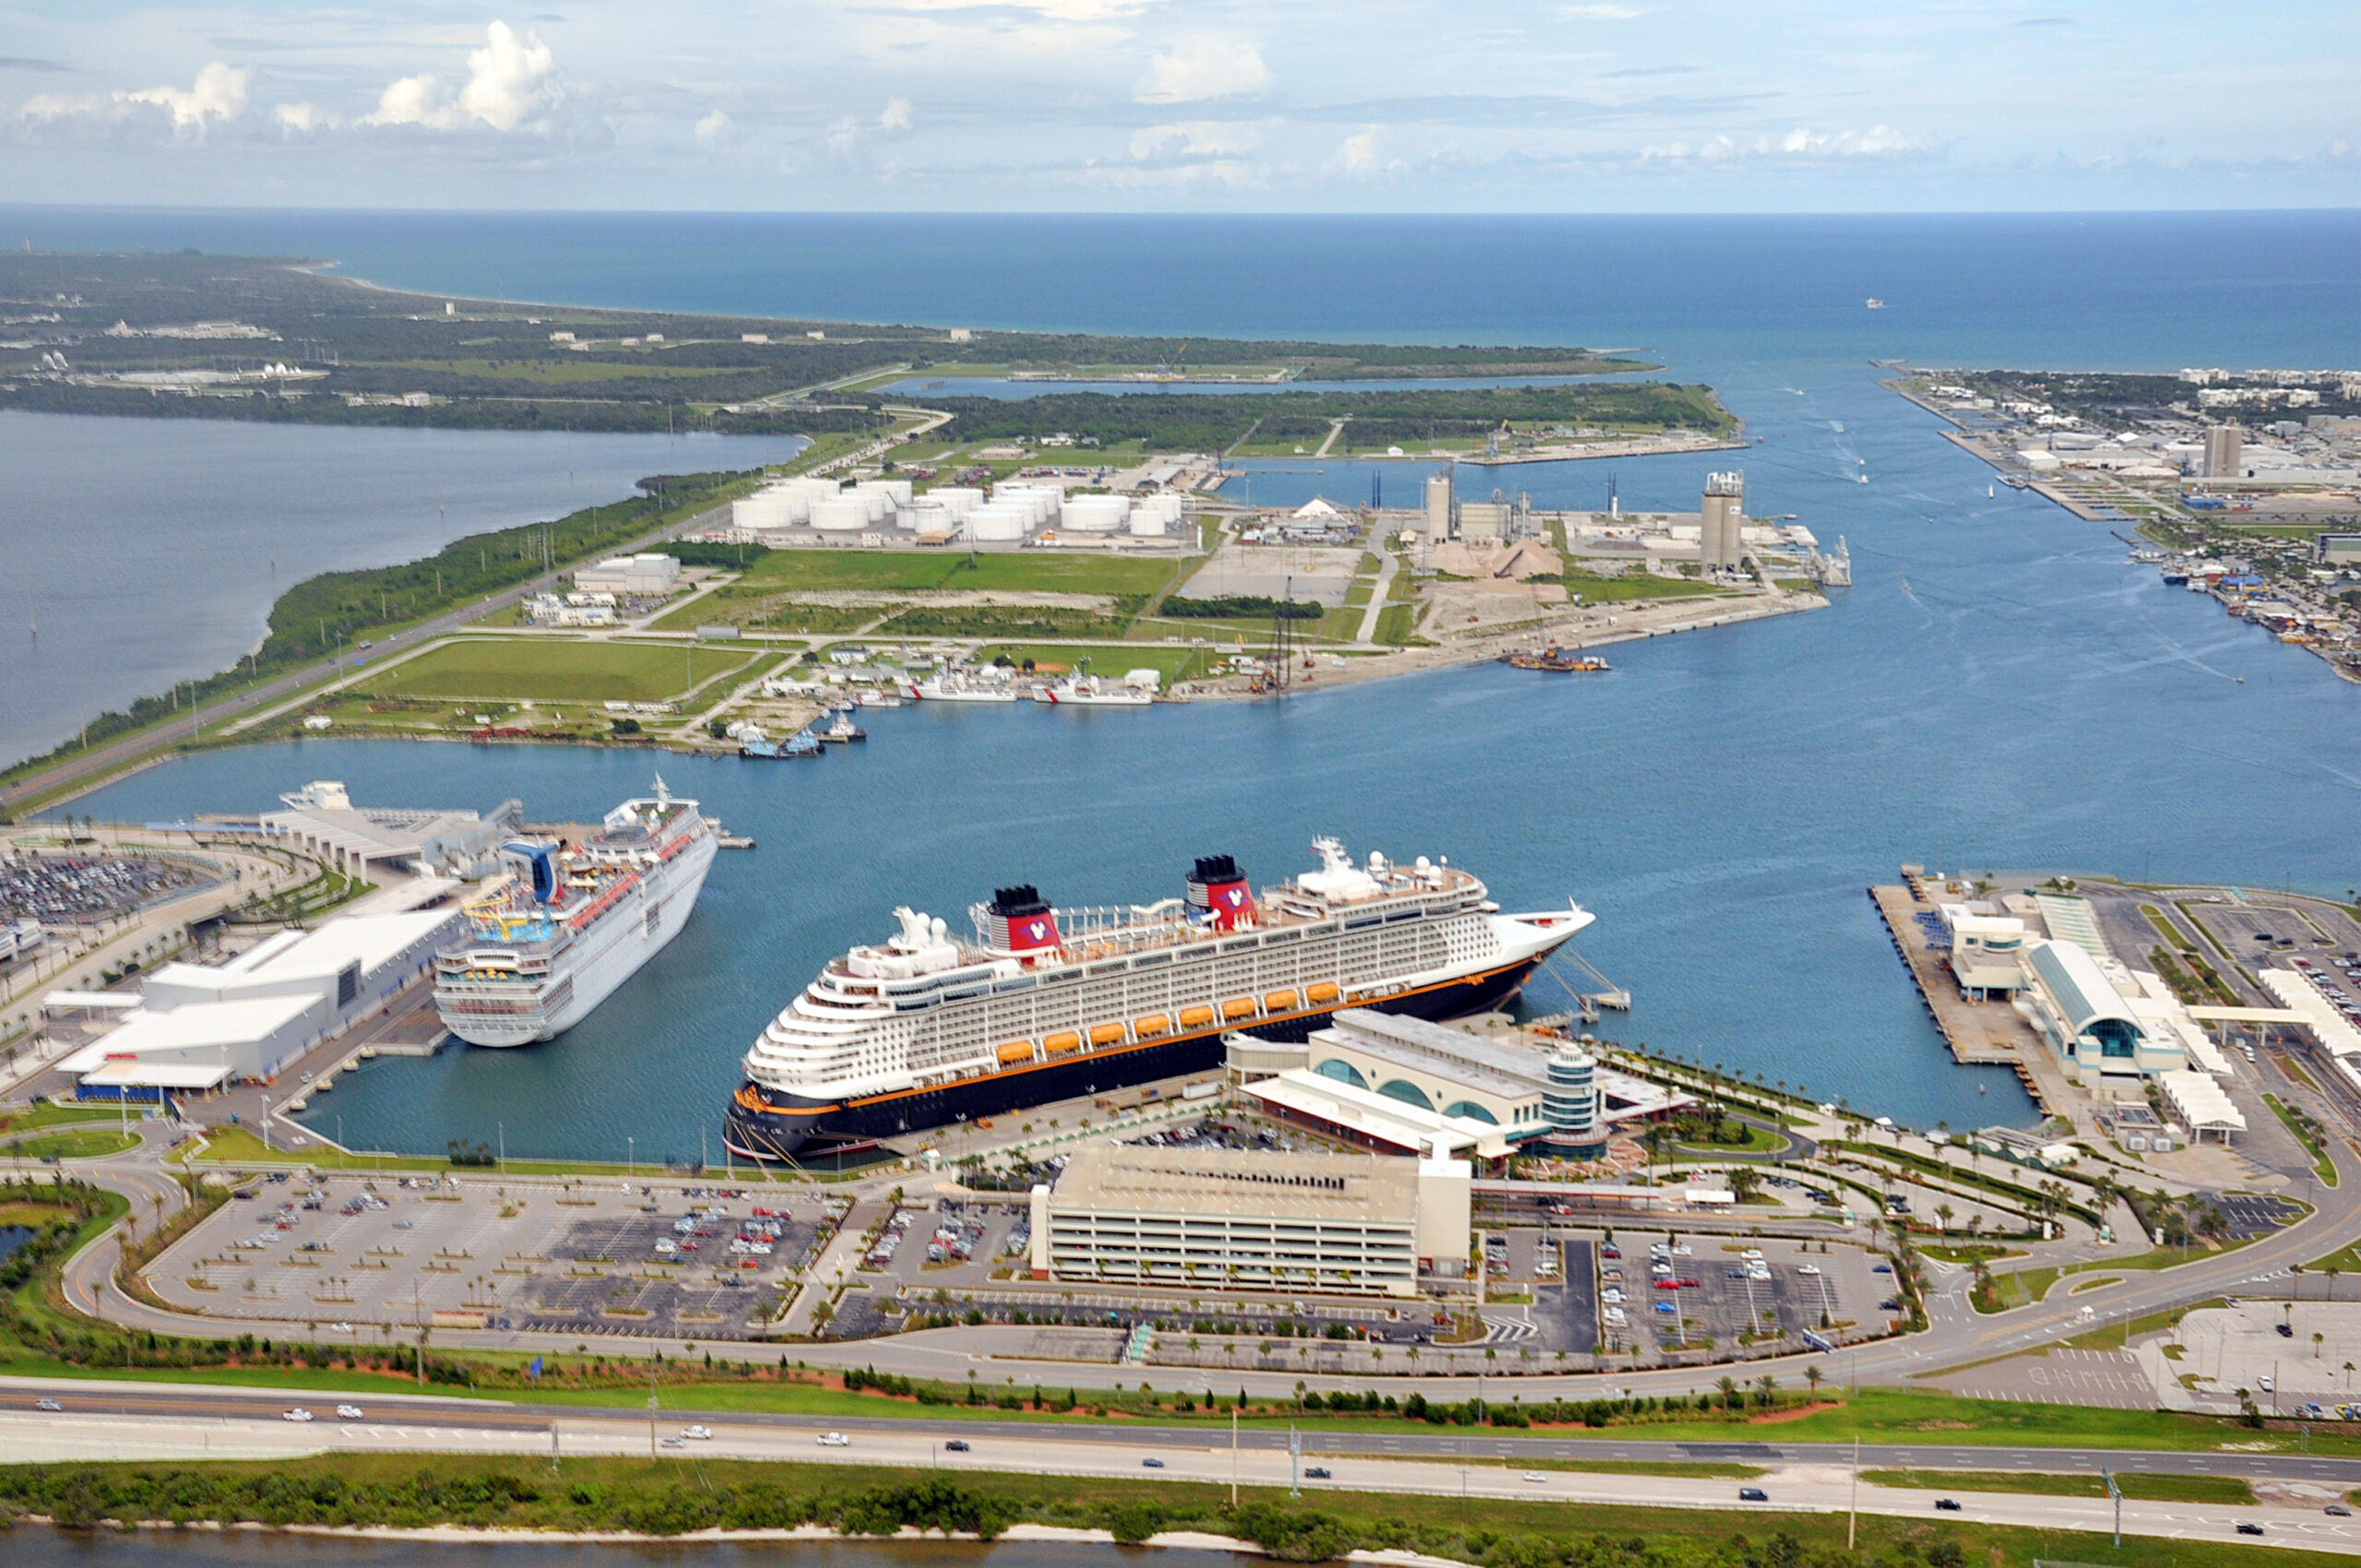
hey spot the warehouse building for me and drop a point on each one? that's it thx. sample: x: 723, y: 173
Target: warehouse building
x: 1549, y: 1103
x: 198, y: 1028
x: 629, y: 576
x: 2123, y: 1033
x: 1243, y: 1219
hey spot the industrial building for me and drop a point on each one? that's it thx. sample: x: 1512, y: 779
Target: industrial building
x: 2225, y: 452
x: 629, y: 576
x: 1437, y: 507
x: 1720, y: 544
x: 1987, y: 952
x: 1245, y: 1219
x: 196, y: 1028
x: 322, y: 822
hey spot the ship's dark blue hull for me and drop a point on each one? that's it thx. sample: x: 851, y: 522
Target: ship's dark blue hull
x: 774, y: 1127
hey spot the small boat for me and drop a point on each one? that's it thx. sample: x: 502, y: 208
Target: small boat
x: 1558, y: 661
x: 880, y: 700
x: 841, y: 729
x: 1990, y: 491
x: 1876, y: 303
x: 796, y: 747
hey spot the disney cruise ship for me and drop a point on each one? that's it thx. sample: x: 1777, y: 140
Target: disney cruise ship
x: 1047, y: 1003
x: 543, y: 950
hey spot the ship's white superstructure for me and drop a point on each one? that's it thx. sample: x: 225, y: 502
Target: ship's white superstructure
x: 1089, y: 691
x: 928, y: 1027
x: 549, y: 942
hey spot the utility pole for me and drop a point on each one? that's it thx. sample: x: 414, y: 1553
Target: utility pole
x: 651, y: 1409
x: 1295, y: 1463
x: 1852, y: 1523
x: 2115, y: 1492
x: 1233, y: 1458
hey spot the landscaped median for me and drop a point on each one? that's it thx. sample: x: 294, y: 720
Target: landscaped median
x: 671, y: 1498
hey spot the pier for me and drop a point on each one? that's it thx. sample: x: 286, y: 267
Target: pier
x: 1981, y: 1034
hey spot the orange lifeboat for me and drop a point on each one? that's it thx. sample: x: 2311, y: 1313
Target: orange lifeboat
x: 1155, y: 1024
x: 1195, y: 1017
x: 1238, y: 1007
x: 1016, y: 1051
x: 1325, y: 992
x: 1279, y: 1002
x: 1106, y: 1034
x: 1064, y: 1044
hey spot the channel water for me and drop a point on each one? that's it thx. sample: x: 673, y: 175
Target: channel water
x: 1999, y: 690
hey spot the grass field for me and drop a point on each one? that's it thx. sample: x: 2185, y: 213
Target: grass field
x: 1635, y: 585
x: 1108, y: 659
x: 2321, y: 1163
x: 556, y: 670
x: 953, y: 571
x: 69, y: 1143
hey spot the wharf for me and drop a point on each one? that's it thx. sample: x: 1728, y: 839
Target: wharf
x: 1981, y: 1034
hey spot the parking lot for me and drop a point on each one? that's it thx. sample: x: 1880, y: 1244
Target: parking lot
x: 1727, y: 1293
x: 377, y: 1255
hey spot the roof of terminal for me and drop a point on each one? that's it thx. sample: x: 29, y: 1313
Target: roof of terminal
x: 1493, y: 1066
x: 1240, y: 1183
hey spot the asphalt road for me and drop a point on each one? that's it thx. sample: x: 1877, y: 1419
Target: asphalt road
x: 94, y: 1399
x: 191, y: 1424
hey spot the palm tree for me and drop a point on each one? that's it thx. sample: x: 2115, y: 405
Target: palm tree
x: 1812, y: 1374
x: 1727, y: 1388
x: 1943, y: 1213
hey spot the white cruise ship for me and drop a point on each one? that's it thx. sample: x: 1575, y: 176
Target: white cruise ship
x: 1047, y: 1003
x: 549, y: 943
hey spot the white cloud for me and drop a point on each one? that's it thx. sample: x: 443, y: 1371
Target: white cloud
x: 302, y: 119
x: 218, y: 93
x: 1362, y: 157
x: 897, y: 116
x: 716, y: 129
x: 1600, y: 13
x: 1200, y: 138
x: 841, y: 135
x: 1203, y: 67
x: 510, y: 80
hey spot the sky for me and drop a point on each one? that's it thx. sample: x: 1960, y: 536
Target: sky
x: 1183, y: 105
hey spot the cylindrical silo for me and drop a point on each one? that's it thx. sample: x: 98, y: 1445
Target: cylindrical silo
x: 999, y: 520
x: 959, y: 499
x: 842, y: 514
x: 1095, y: 514
x: 925, y: 516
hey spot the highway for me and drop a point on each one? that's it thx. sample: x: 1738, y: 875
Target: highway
x: 123, y: 1421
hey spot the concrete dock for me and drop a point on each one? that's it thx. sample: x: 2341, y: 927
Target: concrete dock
x: 1981, y: 1034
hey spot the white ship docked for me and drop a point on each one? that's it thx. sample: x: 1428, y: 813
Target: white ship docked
x: 956, y: 687
x: 1089, y: 691
x: 1046, y: 1003
x: 548, y: 943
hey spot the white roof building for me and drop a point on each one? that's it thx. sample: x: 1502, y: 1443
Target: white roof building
x: 322, y: 821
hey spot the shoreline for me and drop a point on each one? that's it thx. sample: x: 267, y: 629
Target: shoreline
x: 1673, y: 617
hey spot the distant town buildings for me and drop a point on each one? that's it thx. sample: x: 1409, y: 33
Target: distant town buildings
x: 629, y: 576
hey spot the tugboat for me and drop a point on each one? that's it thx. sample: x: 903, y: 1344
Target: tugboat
x: 1558, y: 660
x: 839, y: 731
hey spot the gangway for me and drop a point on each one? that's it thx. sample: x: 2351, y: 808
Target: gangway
x: 1606, y: 994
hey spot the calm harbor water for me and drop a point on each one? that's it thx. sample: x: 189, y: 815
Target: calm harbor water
x: 1998, y: 690
x: 146, y: 552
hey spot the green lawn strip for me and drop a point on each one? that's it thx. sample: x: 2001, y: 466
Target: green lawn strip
x: 555, y: 670
x: 1111, y: 660
x: 80, y: 1143
x: 2321, y: 1161
x: 2138, y: 1486
x: 2295, y: 1070
x: 1970, y: 1253
x: 2081, y: 1285
x: 49, y: 1113
x: 1757, y: 1140
x: 2344, y: 1260
x: 673, y: 1496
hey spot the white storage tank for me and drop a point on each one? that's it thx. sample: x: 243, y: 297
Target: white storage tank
x: 842, y: 514
x: 896, y: 490
x: 1147, y: 523
x: 999, y: 520
x: 1095, y: 514
x: 925, y: 516
x: 874, y: 498
x: 957, y: 499
x: 1044, y: 500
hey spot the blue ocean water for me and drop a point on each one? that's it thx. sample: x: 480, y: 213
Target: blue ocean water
x: 146, y: 552
x: 2000, y: 690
